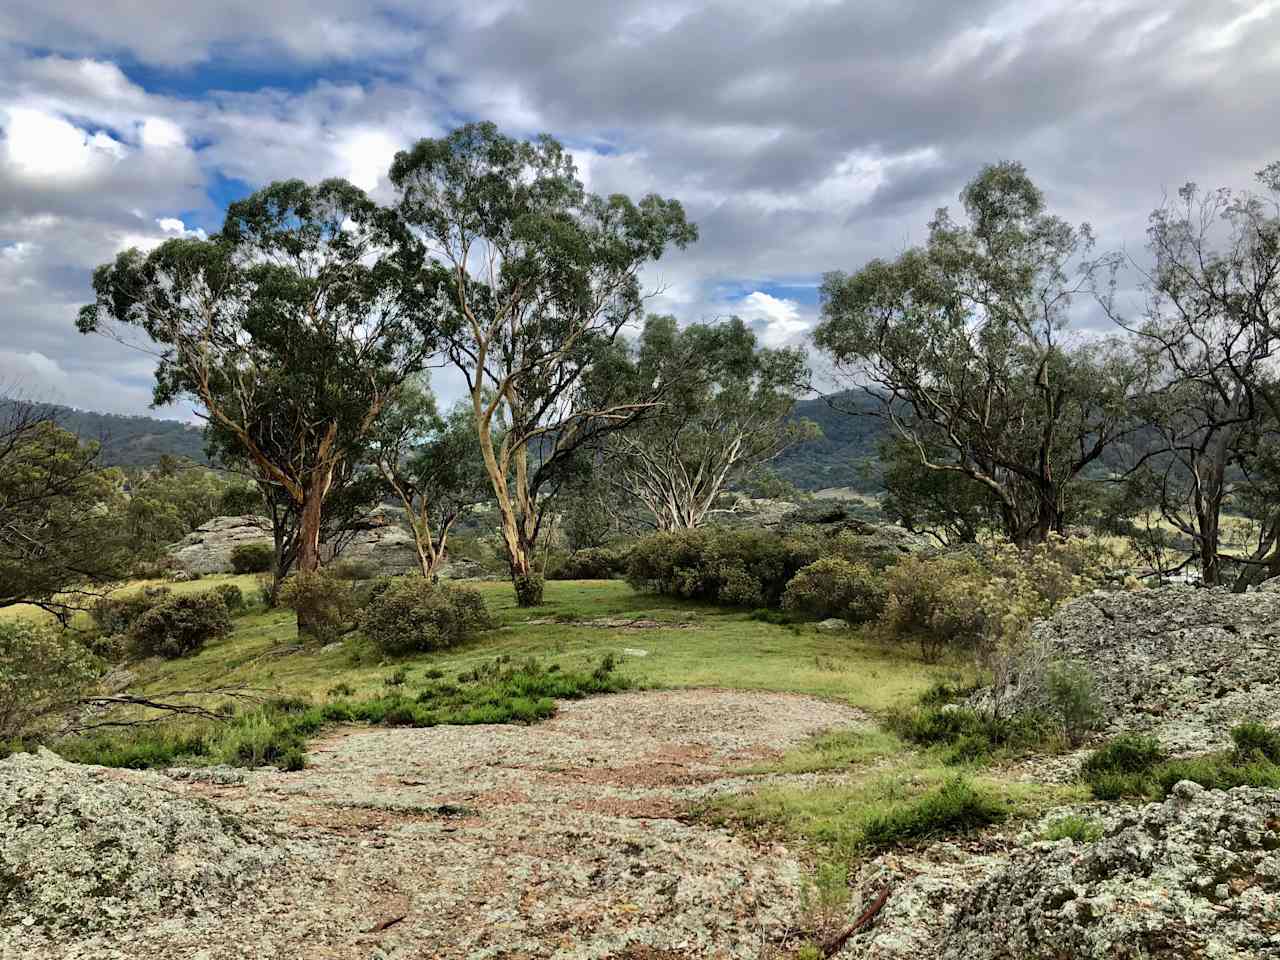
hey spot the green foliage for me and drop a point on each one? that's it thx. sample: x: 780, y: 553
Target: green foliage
x: 325, y: 602
x: 253, y: 557
x: 114, y: 616
x: 61, y: 528
x: 987, y: 600
x: 352, y: 570
x: 180, y: 625
x: 960, y: 339
x: 169, y: 502
x: 413, y: 615
x: 1073, y: 698
x: 743, y: 567
x: 832, y: 587
x: 970, y: 736
x: 231, y: 595
x: 952, y: 808
x: 1256, y: 740
x: 590, y: 563
x: 1137, y: 766
x: 725, y: 411
x: 43, y: 671
x: 529, y: 588
x: 1075, y: 827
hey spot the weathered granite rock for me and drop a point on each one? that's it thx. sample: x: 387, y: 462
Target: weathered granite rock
x: 1182, y: 663
x: 1195, y: 876
x: 207, y: 549
x: 85, y: 848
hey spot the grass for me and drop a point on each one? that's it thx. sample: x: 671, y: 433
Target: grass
x: 1076, y: 827
x: 906, y: 799
x: 1136, y: 767
x: 275, y: 732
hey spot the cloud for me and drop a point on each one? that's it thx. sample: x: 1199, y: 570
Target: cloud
x: 801, y: 135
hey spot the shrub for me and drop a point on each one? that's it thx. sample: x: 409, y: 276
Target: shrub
x: 352, y: 569
x: 832, y: 587
x: 231, y: 596
x: 180, y: 626
x: 591, y: 563
x: 324, y: 603
x: 1073, y: 827
x: 1073, y: 698
x: 115, y: 615
x: 529, y: 589
x: 1255, y: 740
x: 744, y: 567
x: 256, y: 557
x: 970, y: 735
x: 952, y: 808
x: 43, y: 671
x: 411, y: 614
x: 1123, y: 768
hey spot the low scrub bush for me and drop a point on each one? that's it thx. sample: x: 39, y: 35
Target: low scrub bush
x: 591, y: 563
x: 180, y: 626
x: 325, y: 604
x: 832, y: 587
x: 740, y: 567
x: 44, y: 671
x: 253, y: 557
x: 113, y: 616
x: 1256, y: 741
x: 954, y: 807
x: 231, y: 595
x: 413, y: 615
x: 352, y: 569
x: 1073, y: 698
x: 971, y: 736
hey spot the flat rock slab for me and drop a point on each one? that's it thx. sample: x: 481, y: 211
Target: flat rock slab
x: 561, y: 840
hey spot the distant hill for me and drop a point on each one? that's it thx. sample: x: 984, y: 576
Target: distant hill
x: 131, y: 441
x: 847, y: 453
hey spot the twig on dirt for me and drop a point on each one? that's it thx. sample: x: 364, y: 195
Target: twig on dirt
x: 833, y: 946
x: 163, y: 704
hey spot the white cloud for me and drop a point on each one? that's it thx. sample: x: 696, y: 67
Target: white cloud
x: 40, y: 146
x: 777, y: 321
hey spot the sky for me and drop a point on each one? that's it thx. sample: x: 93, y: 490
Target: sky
x: 802, y: 136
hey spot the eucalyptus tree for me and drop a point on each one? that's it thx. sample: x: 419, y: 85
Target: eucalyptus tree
x: 539, y: 278
x: 1210, y: 325
x: 291, y: 329
x: 963, y: 345
x: 433, y: 465
x: 725, y: 411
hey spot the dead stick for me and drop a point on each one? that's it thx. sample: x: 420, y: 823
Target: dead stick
x: 831, y: 948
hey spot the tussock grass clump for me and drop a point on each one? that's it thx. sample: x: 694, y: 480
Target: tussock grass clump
x: 955, y: 807
x: 1076, y: 827
x: 1137, y: 767
x: 965, y: 735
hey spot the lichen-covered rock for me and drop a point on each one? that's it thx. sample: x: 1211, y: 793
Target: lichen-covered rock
x: 84, y: 848
x: 1181, y: 663
x: 1195, y: 876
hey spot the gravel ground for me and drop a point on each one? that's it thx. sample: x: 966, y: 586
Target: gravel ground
x: 561, y: 840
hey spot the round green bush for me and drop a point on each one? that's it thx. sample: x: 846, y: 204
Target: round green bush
x: 590, y: 563
x: 325, y: 604
x: 253, y: 557
x: 832, y: 587
x: 231, y: 595
x: 114, y: 616
x: 411, y: 615
x: 180, y: 626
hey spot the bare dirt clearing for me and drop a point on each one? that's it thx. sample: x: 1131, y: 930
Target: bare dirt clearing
x: 556, y: 840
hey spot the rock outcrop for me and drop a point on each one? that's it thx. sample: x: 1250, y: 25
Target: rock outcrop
x: 207, y: 549
x: 1195, y: 876
x: 1181, y: 663
x: 84, y: 848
